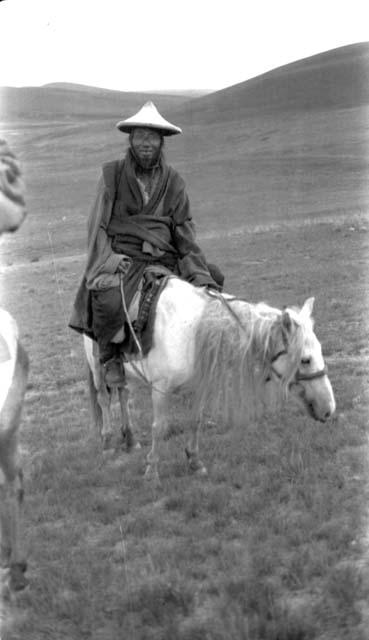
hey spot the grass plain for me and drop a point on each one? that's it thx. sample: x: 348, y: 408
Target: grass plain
x: 274, y: 543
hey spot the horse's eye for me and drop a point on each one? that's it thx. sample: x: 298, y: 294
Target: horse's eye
x: 305, y: 361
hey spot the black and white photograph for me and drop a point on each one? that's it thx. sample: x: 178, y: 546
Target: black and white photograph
x: 184, y: 320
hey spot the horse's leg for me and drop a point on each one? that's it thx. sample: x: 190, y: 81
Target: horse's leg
x: 159, y: 426
x: 5, y: 540
x: 192, y: 449
x: 96, y: 411
x: 12, y: 492
x: 104, y: 400
x: 126, y: 427
x: 11, y: 477
x: 100, y: 395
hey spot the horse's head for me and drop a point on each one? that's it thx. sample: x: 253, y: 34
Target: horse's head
x: 297, y: 362
x: 12, y: 205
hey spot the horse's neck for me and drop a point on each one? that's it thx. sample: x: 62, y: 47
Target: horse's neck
x: 266, y: 311
x: 260, y: 325
x: 255, y: 314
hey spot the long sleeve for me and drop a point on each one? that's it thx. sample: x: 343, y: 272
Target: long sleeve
x: 191, y: 262
x: 102, y: 262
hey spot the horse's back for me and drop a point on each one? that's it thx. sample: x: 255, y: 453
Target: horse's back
x: 179, y: 310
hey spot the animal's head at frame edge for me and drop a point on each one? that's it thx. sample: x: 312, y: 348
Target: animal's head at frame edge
x: 12, y: 188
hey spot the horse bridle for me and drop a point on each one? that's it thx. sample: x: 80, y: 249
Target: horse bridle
x: 299, y: 377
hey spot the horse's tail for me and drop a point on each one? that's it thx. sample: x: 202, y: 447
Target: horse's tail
x: 96, y: 410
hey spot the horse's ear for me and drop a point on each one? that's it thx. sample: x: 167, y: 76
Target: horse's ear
x: 286, y: 322
x: 307, y: 308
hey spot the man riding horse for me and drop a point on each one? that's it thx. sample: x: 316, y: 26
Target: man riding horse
x: 140, y: 221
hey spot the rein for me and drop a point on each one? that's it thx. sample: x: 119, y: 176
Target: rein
x: 218, y: 296
x: 127, y: 318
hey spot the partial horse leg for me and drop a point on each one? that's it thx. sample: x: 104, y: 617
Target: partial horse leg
x: 126, y: 427
x: 5, y: 528
x: 96, y: 411
x: 104, y: 400
x: 11, y: 495
x: 100, y: 395
x: 192, y: 449
x: 11, y: 477
x: 159, y: 426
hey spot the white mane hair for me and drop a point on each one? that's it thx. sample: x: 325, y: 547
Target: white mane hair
x: 234, y: 356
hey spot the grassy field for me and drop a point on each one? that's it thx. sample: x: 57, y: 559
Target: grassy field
x: 271, y: 545
x: 274, y: 543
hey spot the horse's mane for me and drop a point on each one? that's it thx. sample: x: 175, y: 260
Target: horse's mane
x: 233, y: 358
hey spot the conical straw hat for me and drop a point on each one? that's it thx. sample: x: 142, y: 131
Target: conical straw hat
x: 148, y: 116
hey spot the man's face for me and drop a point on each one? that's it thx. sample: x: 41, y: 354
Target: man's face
x: 146, y: 144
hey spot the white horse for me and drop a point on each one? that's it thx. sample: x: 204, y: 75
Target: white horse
x: 13, y: 380
x: 230, y: 355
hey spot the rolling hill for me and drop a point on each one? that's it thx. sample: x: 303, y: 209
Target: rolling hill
x: 335, y: 79
x: 288, y: 146
x: 67, y: 101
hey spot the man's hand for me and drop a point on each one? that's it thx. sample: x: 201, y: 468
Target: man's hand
x: 124, y: 265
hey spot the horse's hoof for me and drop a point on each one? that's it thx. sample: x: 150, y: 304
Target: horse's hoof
x: 127, y: 441
x: 195, y: 465
x: 22, y: 565
x: 198, y: 469
x: 107, y: 442
x: 201, y: 471
x: 17, y: 579
x: 152, y: 476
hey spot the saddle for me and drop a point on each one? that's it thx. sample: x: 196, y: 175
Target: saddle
x: 154, y: 281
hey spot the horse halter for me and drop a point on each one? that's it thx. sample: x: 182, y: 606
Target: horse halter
x: 299, y: 377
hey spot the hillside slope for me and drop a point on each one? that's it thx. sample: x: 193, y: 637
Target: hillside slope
x: 335, y: 79
x: 75, y: 102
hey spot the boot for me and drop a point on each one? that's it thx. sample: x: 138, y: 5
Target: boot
x: 111, y: 361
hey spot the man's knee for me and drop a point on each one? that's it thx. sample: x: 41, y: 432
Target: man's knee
x: 107, y: 313
x: 107, y: 301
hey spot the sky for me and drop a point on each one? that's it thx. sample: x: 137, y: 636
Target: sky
x: 133, y: 45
